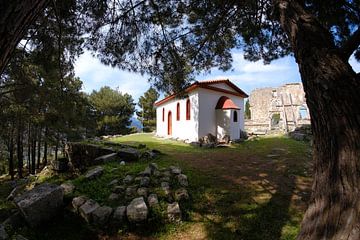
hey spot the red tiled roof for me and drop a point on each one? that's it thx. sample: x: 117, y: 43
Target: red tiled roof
x: 207, y: 85
x: 226, y: 103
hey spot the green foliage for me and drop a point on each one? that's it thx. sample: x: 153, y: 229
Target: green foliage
x: 113, y: 111
x: 247, y: 110
x: 147, y: 114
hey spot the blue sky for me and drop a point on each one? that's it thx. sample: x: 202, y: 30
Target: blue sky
x: 246, y: 75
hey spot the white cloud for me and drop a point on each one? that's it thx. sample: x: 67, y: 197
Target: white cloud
x: 95, y: 75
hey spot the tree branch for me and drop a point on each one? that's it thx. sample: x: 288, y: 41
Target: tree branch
x: 350, y: 45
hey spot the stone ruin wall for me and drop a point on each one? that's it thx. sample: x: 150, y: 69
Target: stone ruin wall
x: 288, y: 101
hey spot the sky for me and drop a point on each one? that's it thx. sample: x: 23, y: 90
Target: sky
x: 246, y: 75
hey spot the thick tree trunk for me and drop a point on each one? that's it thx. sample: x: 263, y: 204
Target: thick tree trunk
x: 15, y: 18
x: 332, y: 94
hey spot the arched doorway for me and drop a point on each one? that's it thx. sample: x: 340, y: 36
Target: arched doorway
x: 169, y: 123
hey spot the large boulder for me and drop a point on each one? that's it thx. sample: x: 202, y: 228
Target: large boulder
x: 137, y: 210
x: 129, y: 154
x: 41, y: 203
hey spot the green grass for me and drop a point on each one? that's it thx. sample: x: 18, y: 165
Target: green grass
x: 235, y: 193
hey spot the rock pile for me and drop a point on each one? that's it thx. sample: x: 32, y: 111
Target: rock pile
x: 148, y: 190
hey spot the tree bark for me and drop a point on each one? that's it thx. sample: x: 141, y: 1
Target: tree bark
x: 11, y: 155
x: 38, y: 149
x: 15, y: 18
x: 20, y: 150
x: 332, y: 95
x: 29, y: 148
x: 33, y: 153
x: 45, y: 146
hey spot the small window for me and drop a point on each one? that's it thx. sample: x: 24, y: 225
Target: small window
x: 235, y: 118
x: 188, y: 109
x: 303, y: 113
x: 163, y: 115
x: 178, y: 112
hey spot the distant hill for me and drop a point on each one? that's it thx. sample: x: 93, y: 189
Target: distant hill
x: 136, y: 123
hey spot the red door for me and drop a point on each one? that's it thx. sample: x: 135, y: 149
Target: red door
x: 169, y: 123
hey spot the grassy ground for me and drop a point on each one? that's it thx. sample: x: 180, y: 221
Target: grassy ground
x: 254, y: 190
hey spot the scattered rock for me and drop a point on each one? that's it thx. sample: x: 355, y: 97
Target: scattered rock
x: 87, y: 209
x: 41, y: 203
x: 137, y: 210
x: 3, y: 233
x: 157, y: 173
x: 78, y: 201
x: 142, y: 191
x: 153, y: 167
x: 113, y: 182
x: 145, y: 182
x: 68, y: 188
x: 122, y: 163
x: 129, y: 154
x: 119, y: 189
x: 106, y: 158
x: 181, y: 194
x: 174, y: 212
x: 119, y: 215
x: 166, y: 173
x: 273, y: 155
x: 165, y: 179
x: 114, y: 197
x: 182, y: 180
x: 147, y: 171
x: 131, y: 191
x: 141, y: 146
x: 94, y: 173
x: 175, y: 170
x: 153, y: 200
x: 102, y: 215
x: 128, y: 179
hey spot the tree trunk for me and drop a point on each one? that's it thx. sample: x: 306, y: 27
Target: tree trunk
x: 11, y: 156
x: 33, y: 153
x: 20, y: 151
x: 332, y: 95
x: 39, y: 149
x: 45, y: 146
x: 15, y: 18
x: 56, y: 147
x: 29, y: 148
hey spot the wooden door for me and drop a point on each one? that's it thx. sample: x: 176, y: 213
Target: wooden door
x: 169, y: 123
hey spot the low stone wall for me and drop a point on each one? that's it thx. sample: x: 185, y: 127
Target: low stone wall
x: 82, y: 155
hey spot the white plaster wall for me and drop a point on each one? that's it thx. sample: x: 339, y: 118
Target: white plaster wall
x: 207, y: 117
x: 235, y: 126
x: 223, y: 86
x: 223, y: 123
x: 183, y: 129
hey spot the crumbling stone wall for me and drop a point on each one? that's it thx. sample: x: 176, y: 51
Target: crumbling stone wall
x: 266, y: 104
